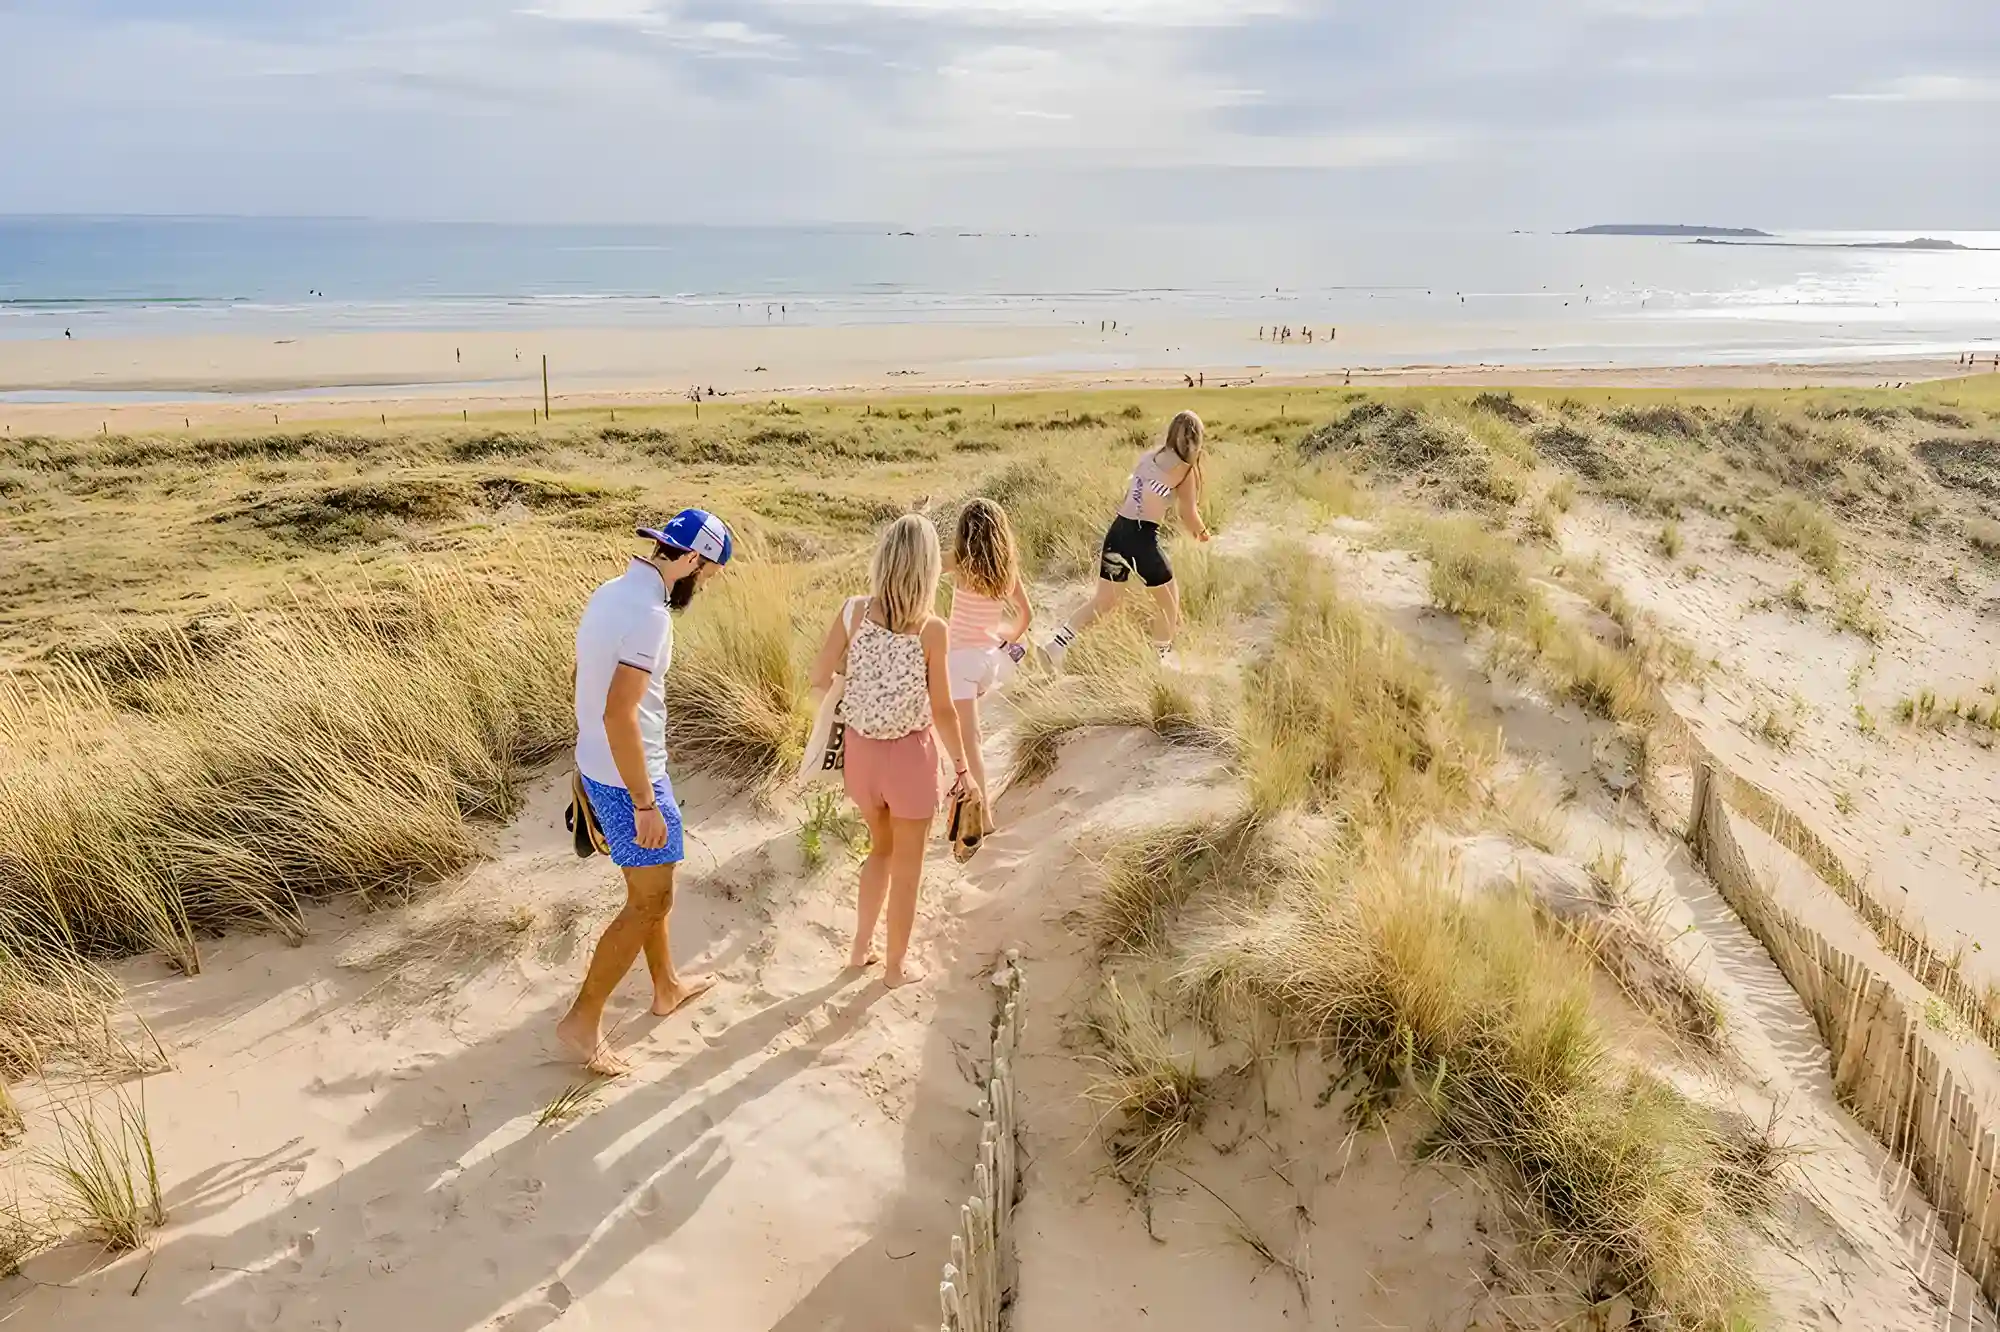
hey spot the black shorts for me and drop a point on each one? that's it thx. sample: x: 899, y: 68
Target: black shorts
x: 1132, y: 544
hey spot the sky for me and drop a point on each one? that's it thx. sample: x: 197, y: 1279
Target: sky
x: 1426, y: 114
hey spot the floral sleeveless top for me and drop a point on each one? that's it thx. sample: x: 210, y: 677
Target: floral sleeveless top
x: 887, y: 692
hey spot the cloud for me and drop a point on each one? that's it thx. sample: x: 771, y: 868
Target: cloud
x: 619, y: 13
x: 1493, y: 113
x: 1071, y: 13
x: 1928, y: 88
x: 720, y: 37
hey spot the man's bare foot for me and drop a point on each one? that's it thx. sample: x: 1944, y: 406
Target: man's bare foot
x: 895, y: 978
x: 864, y: 961
x: 587, y: 1048
x: 666, y: 1003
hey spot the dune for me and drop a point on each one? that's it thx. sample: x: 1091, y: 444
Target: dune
x: 1467, y: 720
x: 353, y: 1125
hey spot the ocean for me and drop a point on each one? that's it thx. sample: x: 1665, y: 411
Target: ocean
x: 1466, y: 296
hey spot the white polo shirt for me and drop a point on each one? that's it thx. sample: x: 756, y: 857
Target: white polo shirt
x: 626, y: 623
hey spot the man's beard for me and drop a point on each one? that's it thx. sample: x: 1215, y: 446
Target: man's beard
x: 682, y: 592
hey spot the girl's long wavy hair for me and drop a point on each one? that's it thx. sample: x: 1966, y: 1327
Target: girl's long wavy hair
x: 904, y: 576
x: 984, y: 557
x: 1184, y: 436
x: 1184, y: 440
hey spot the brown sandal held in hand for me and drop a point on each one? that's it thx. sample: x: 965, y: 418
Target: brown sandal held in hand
x: 967, y: 827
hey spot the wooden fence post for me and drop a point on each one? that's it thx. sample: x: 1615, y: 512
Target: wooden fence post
x: 1704, y: 777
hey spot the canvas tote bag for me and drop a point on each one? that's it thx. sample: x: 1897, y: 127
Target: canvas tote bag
x: 826, y: 746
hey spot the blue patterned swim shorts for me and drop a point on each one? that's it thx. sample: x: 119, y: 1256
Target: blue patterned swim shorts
x: 613, y: 806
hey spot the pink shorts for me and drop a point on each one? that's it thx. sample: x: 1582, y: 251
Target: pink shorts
x: 900, y: 773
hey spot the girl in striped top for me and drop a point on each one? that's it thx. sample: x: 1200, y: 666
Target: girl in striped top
x: 1167, y: 474
x: 989, y: 617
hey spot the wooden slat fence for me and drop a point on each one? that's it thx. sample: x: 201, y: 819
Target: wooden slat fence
x: 1900, y: 938
x: 1885, y: 1069
x: 981, y: 1270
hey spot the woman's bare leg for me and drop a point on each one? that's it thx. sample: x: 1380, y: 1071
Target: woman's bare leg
x: 874, y: 886
x: 968, y: 728
x: 906, y: 874
x: 1166, y: 614
x: 1101, y: 601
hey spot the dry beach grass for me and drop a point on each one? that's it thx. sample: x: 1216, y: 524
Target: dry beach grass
x: 330, y: 671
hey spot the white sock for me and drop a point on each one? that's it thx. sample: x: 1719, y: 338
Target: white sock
x: 1060, y: 643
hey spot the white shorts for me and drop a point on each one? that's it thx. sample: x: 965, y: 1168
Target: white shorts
x: 976, y: 672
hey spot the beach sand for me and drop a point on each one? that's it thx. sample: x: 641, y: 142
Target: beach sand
x: 65, y: 387
x: 351, y: 1133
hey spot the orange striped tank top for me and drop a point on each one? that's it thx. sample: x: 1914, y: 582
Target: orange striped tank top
x: 975, y: 619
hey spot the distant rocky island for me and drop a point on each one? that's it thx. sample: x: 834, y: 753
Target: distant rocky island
x: 1665, y: 229
x: 1752, y: 236
x: 1920, y: 243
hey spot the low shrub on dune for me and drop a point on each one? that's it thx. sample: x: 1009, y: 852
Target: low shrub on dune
x: 1469, y: 1011
x: 736, y: 695
x: 1484, y: 578
x: 1113, y: 678
x: 331, y: 749
x: 341, y: 748
x: 1339, y: 715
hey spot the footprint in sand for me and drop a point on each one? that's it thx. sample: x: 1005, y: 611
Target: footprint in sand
x: 417, y: 1066
x: 303, y: 1247
x: 524, y: 1196
x: 558, y: 1296
x: 263, y: 1311
x: 386, y: 1255
x: 451, y: 1117
x: 378, y: 1217
x: 447, y: 1205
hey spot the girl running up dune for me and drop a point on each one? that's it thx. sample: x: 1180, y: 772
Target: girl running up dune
x: 1169, y: 471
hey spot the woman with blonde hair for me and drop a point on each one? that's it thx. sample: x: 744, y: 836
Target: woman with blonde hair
x: 897, y: 695
x: 1169, y: 470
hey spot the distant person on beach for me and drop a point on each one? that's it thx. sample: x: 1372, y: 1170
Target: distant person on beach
x: 893, y: 653
x: 624, y: 645
x: 990, y: 618
x: 1170, y: 470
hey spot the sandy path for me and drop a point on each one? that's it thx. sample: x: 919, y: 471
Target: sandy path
x: 350, y: 1149
x: 788, y: 1155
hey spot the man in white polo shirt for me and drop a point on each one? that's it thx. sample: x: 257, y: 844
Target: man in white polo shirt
x: 624, y: 644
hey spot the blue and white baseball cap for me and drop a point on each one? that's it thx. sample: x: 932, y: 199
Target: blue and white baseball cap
x: 697, y: 530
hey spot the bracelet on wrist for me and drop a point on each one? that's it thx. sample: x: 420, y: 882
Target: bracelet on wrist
x: 645, y: 809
